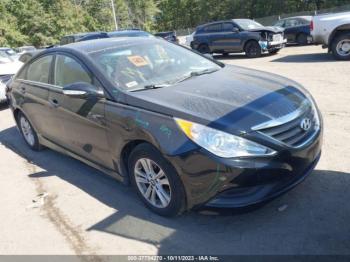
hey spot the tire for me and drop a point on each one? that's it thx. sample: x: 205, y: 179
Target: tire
x: 204, y: 49
x: 165, y: 199
x: 274, y: 52
x: 252, y: 49
x: 338, y: 44
x: 28, y: 132
x: 302, y: 39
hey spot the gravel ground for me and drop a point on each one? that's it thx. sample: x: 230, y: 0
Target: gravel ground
x: 53, y: 204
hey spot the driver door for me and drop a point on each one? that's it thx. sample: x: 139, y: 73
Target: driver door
x: 82, y: 119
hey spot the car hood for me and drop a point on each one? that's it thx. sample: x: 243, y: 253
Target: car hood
x: 272, y: 29
x: 10, y: 68
x: 233, y: 99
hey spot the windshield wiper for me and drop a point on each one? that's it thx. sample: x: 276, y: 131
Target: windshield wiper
x: 151, y: 86
x: 155, y: 86
x: 197, y: 73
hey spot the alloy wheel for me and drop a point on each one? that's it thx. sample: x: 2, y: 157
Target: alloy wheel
x: 27, y: 131
x: 343, y: 47
x: 152, y: 182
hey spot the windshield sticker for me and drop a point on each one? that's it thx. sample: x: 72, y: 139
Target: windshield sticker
x: 138, y: 60
x: 131, y: 84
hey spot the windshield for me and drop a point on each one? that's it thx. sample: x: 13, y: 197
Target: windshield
x: 247, y: 24
x: 154, y: 63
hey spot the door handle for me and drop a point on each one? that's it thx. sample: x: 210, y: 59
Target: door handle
x: 22, y: 90
x: 54, y: 103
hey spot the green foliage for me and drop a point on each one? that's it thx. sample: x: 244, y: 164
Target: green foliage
x: 44, y: 22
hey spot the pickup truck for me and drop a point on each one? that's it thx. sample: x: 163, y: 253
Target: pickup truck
x: 332, y: 31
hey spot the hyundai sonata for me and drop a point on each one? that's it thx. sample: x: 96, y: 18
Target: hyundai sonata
x: 183, y: 129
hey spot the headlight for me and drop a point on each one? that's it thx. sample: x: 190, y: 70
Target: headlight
x: 220, y: 143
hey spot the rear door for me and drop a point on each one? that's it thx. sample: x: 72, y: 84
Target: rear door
x: 32, y: 88
x: 231, y: 40
x: 292, y: 27
x: 213, y: 35
x: 83, y: 119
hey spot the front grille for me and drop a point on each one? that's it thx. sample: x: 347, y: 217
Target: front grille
x: 277, y: 38
x: 291, y: 132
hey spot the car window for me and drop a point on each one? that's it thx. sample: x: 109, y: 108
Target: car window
x: 303, y: 22
x: 280, y: 23
x: 291, y: 23
x: 39, y: 70
x: 69, y: 71
x: 213, y: 28
x: 227, y: 27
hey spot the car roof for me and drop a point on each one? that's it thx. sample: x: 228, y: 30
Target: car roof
x: 302, y: 17
x: 225, y: 21
x: 106, y: 43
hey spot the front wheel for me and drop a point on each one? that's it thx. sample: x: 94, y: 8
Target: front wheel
x: 341, y: 47
x: 156, y: 181
x: 273, y: 52
x: 252, y: 49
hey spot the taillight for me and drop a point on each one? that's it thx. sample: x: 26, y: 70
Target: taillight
x: 312, y: 25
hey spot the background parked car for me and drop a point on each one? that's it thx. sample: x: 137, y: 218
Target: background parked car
x: 189, y: 39
x: 93, y: 36
x: 99, y: 35
x: 237, y: 36
x: 169, y: 36
x: 297, y: 29
x: 333, y: 32
x: 10, y: 52
x: 23, y: 49
x: 8, y: 67
x: 129, y: 33
x: 82, y: 37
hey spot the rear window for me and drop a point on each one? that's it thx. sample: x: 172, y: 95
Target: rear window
x: 39, y: 70
x: 213, y: 28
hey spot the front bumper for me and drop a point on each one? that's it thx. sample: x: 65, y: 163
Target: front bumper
x: 2, y: 93
x: 229, y: 183
x: 267, y: 46
x: 242, y: 197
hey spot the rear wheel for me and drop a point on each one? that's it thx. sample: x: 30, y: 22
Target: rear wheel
x: 204, y: 49
x: 341, y: 47
x: 28, y: 132
x: 302, y: 39
x: 156, y: 181
x: 252, y: 49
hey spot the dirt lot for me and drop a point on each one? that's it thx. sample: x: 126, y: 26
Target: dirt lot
x: 86, y: 212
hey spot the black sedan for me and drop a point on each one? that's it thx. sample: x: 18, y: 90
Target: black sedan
x: 297, y: 29
x: 183, y: 129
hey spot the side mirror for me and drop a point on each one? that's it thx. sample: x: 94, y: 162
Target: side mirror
x: 235, y: 30
x: 82, y: 90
